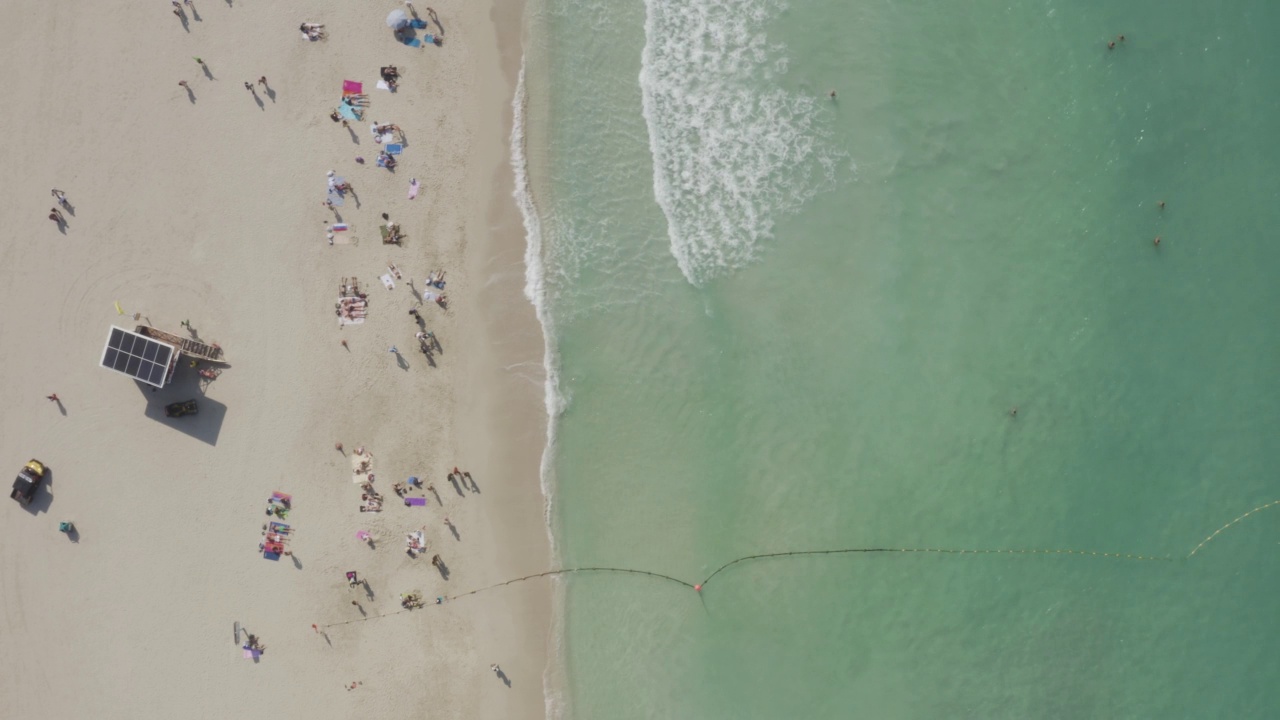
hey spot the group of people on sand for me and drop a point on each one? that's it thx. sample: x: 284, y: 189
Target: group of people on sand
x: 312, y: 31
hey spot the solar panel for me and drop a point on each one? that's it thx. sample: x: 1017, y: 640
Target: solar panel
x: 137, y: 356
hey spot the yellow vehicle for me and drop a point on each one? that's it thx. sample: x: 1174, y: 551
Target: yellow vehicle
x: 29, y: 479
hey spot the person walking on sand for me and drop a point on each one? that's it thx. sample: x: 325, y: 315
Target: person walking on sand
x: 52, y: 398
x: 248, y: 87
x: 262, y: 81
x: 183, y: 83
x: 61, y: 197
x: 496, y: 670
x: 56, y: 216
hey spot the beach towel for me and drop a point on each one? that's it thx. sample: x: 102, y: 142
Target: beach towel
x: 279, y: 527
x: 415, y: 501
x: 412, y: 42
x: 382, y: 85
x: 351, y: 87
x: 418, y: 24
x: 348, y: 112
x: 394, y: 148
x: 250, y: 654
x: 413, y: 188
x: 277, y: 495
x: 336, y: 198
x: 270, y: 556
x: 339, y: 227
x: 386, y: 280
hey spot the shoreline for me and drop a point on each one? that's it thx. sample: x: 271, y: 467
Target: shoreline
x: 209, y: 211
x: 509, y: 388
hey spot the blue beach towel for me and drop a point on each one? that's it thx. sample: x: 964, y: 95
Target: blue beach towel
x: 394, y: 148
x: 347, y: 112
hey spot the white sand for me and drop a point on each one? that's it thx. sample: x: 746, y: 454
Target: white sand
x: 211, y: 211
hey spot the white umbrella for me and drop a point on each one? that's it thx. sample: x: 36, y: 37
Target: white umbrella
x: 397, y: 19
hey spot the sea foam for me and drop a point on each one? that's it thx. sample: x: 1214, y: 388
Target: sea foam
x: 732, y: 150
x: 535, y: 289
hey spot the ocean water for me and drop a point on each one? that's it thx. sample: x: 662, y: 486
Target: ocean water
x: 780, y: 321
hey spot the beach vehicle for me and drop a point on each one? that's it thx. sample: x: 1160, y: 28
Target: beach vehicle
x: 178, y: 409
x: 29, y: 479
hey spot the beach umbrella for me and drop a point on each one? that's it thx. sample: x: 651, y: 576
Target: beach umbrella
x: 397, y: 19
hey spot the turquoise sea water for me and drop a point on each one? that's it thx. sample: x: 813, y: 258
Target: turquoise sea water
x: 782, y: 322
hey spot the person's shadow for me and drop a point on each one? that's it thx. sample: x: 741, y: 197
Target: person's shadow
x: 502, y: 675
x: 454, y: 529
x: 191, y: 96
x: 61, y: 408
x: 474, y: 487
x: 207, y: 72
x: 271, y: 93
x: 438, y: 500
x: 354, y: 138
x: 62, y: 226
x: 71, y: 209
x: 261, y: 105
x: 400, y: 361
x: 453, y: 480
x: 183, y: 17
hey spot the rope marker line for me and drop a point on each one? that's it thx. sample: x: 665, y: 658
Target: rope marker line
x: 697, y: 587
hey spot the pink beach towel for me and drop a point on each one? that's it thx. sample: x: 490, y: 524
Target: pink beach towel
x: 413, y: 188
x: 351, y: 87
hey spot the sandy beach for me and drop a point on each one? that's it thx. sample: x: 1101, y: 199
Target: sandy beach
x: 205, y: 206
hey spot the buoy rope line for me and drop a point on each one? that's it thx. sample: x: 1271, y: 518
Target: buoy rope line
x: 697, y: 587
